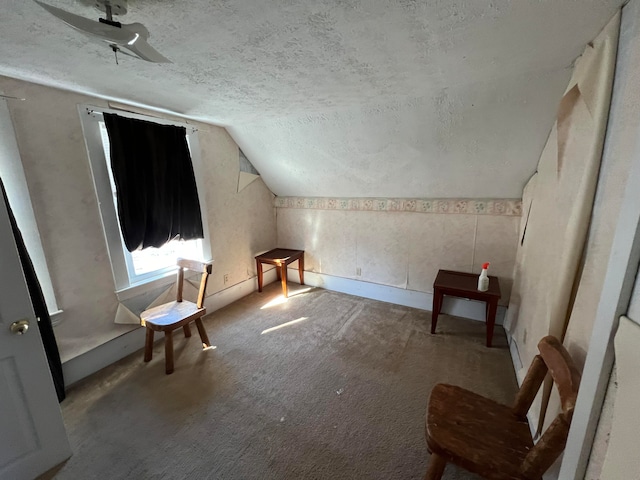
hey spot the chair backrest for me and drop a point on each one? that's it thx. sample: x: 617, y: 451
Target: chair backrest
x: 555, y: 360
x: 201, y: 267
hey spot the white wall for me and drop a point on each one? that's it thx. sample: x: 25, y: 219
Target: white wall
x: 402, y: 249
x: 56, y: 166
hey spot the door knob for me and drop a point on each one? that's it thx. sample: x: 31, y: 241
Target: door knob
x: 20, y: 327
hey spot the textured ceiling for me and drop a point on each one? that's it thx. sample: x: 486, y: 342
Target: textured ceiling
x: 432, y: 98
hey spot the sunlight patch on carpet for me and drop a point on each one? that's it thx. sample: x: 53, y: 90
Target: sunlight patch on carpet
x: 277, y: 327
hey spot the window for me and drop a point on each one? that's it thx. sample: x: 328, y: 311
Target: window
x: 141, y: 267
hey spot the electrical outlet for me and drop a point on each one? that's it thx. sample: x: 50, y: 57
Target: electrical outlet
x: 358, y: 271
x: 226, y: 278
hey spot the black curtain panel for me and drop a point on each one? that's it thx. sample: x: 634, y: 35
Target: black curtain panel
x: 38, y: 303
x: 155, y: 183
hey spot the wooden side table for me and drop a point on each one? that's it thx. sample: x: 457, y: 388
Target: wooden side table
x: 281, y: 257
x: 465, y: 285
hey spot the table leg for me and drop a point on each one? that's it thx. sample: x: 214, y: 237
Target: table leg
x: 259, y: 268
x: 435, y: 310
x: 301, y: 269
x: 283, y: 274
x: 491, y: 320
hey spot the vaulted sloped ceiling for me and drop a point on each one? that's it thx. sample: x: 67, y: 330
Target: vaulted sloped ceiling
x: 375, y: 98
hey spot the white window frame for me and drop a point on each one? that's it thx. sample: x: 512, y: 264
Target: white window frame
x: 127, y: 283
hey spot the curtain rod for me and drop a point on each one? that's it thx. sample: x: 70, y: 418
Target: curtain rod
x: 134, y: 114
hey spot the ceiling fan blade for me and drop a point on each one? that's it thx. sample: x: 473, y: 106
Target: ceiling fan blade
x: 105, y: 31
x: 142, y: 49
x: 137, y: 28
x: 130, y: 36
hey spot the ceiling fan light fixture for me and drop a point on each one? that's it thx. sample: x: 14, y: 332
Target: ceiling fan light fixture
x: 118, y: 7
x: 132, y: 36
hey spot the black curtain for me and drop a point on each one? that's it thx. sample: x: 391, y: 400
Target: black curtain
x: 39, y: 305
x: 155, y: 183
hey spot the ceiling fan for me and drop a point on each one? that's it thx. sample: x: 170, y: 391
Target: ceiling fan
x: 131, y: 36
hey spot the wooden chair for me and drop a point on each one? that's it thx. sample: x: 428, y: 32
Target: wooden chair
x: 493, y: 440
x: 170, y: 316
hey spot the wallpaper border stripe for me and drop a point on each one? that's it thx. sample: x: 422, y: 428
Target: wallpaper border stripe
x: 501, y: 206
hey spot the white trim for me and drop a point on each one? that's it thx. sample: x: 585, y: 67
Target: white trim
x: 515, y: 356
x: 82, y: 366
x: 458, y: 307
x: 520, y: 373
x: 100, y: 178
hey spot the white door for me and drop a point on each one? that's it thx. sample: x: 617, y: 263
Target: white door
x: 32, y: 435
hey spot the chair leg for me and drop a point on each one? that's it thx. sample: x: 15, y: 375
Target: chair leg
x: 203, y: 333
x: 187, y: 331
x: 148, y: 346
x: 436, y: 467
x: 168, y: 351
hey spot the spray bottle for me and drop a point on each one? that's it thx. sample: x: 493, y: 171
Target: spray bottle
x: 483, y: 280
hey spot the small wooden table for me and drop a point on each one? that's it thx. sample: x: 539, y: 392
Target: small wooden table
x: 281, y: 257
x: 465, y: 285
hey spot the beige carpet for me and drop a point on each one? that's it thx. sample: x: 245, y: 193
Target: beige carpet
x: 338, y: 393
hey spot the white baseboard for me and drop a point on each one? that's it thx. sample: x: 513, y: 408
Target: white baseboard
x: 236, y: 292
x: 532, y: 417
x: 82, y: 366
x: 459, y: 307
x: 515, y: 357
